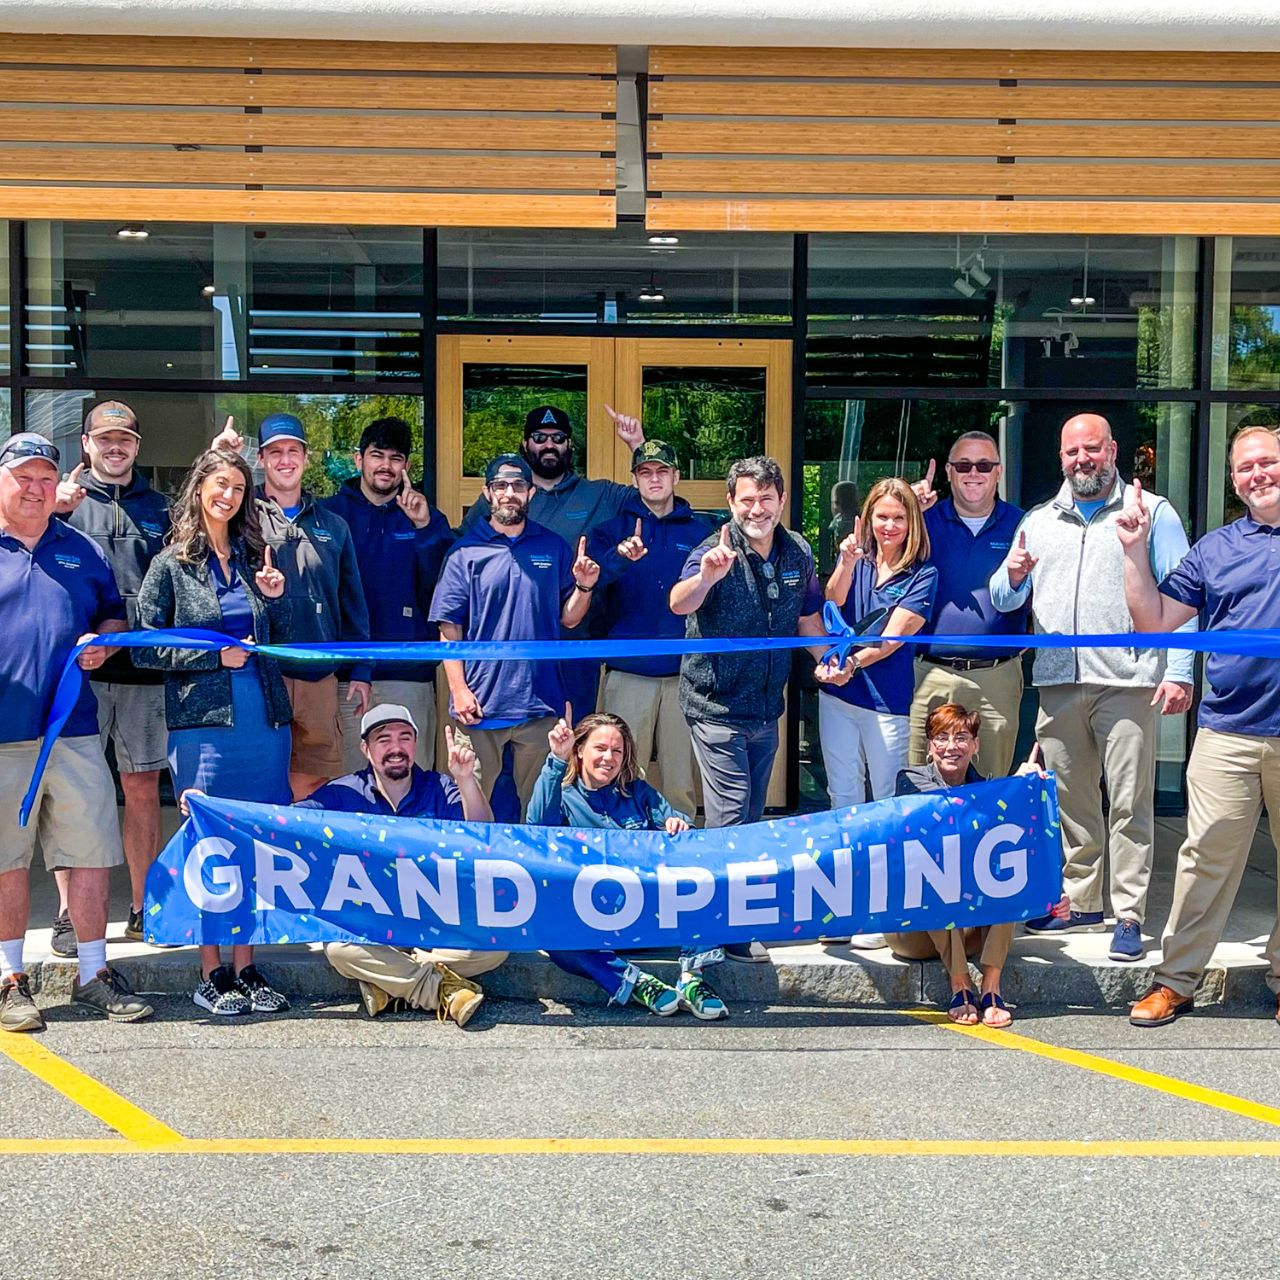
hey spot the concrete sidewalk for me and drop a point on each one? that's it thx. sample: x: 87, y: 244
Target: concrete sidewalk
x: 1072, y: 971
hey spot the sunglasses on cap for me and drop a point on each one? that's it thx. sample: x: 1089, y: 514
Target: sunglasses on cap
x: 16, y: 449
x: 964, y: 466
x: 548, y: 437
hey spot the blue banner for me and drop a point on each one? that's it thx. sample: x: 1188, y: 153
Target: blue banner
x: 264, y: 874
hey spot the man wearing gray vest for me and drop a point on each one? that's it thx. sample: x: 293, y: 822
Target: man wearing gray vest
x: 1097, y: 720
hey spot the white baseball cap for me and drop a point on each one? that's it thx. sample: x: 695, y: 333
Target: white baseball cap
x: 386, y: 713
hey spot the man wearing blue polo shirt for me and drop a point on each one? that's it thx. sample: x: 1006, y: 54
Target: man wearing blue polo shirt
x: 56, y: 588
x: 1231, y: 578
x: 641, y: 554
x: 970, y: 533
x: 512, y: 580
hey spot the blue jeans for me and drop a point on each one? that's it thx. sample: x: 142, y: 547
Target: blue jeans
x: 616, y: 976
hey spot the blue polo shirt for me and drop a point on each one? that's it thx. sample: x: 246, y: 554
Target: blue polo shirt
x: 965, y: 562
x: 497, y: 587
x: 430, y: 795
x: 49, y: 598
x: 888, y: 686
x: 1232, y: 577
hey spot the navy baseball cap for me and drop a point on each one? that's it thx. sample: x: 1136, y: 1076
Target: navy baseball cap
x: 27, y: 445
x: 546, y: 417
x: 508, y: 462
x: 280, y: 426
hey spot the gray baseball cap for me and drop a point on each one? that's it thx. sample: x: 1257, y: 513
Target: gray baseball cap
x: 386, y: 713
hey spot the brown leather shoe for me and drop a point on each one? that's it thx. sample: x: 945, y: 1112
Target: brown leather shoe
x: 1159, y: 1006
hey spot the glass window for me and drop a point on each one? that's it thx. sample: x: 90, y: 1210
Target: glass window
x: 190, y: 301
x: 1224, y: 421
x: 1001, y: 311
x: 625, y: 275
x: 176, y: 425
x: 711, y: 417
x: 497, y: 397
x: 1246, y: 314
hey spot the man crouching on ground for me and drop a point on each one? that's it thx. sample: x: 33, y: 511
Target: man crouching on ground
x: 393, y: 785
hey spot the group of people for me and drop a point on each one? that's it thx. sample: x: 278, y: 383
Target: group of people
x: 546, y: 554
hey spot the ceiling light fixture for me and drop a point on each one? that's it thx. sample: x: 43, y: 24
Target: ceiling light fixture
x: 664, y: 239
x: 209, y: 290
x: 962, y: 286
x: 132, y: 232
x: 652, y: 294
x: 977, y: 272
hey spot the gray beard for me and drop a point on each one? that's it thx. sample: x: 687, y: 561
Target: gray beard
x: 1091, y: 484
x: 507, y: 516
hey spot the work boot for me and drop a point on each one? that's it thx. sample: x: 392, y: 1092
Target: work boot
x: 458, y: 998
x: 109, y: 993
x: 18, y: 1010
x: 133, y: 929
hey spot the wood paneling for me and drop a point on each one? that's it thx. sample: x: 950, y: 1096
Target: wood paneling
x: 804, y: 177
x: 1083, y: 217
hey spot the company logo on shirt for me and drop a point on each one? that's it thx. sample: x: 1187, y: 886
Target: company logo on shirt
x: 404, y: 535
x: 542, y: 562
x: 790, y: 577
x: 151, y: 530
x: 1000, y: 546
x: 686, y: 547
x: 67, y: 561
x: 323, y: 535
x: 579, y: 514
x: 896, y: 592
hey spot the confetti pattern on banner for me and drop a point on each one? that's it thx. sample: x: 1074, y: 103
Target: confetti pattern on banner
x: 975, y: 855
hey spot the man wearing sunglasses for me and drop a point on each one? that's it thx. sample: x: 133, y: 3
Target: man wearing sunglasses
x: 970, y: 534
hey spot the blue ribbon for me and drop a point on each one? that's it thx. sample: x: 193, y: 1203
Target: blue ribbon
x: 1260, y: 643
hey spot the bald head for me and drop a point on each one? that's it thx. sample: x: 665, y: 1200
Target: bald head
x: 1088, y: 455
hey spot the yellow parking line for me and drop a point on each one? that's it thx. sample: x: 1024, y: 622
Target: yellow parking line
x: 99, y: 1101
x: 1106, y: 1067
x: 736, y: 1147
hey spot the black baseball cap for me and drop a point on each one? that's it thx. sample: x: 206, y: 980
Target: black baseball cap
x: 547, y: 417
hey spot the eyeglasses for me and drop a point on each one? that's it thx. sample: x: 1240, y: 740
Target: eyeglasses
x: 956, y: 740
x: 964, y: 466
x: 30, y: 449
x: 516, y: 486
x: 549, y: 437
x: 771, y: 580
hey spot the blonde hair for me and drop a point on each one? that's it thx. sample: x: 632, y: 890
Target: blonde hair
x: 915, y: 547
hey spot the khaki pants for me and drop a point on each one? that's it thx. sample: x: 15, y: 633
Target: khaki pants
x: 1091, y: 732
x: 955, y: 947
x: 1229, y: 777
x: 651, y: 706
x: 418, y: 695
x: 528, y: 748
x: 407, y: 975
x: 995, y: 693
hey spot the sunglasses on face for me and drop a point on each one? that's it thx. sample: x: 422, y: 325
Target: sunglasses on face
x: 964, y: 466
x: 549, y: 437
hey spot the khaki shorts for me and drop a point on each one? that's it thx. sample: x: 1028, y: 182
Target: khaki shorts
x: 74, y: 816
x: 132, y: 716
x: 317, y: 732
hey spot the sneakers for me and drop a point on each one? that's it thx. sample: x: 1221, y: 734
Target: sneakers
x: 1076, y: 922
x: 747, y: 953
x: 18, y: 1010
x: 374, y: 1001
x: 64, y: 937
x: 109, y: 993
x: 133, y: 930
x: 219, y: 994
x: 701, y: 1001
x: 655, y: 995
x: 457, y: 998
x: 867, y: 942
x: 1126, y: 942
x: 262, y: 997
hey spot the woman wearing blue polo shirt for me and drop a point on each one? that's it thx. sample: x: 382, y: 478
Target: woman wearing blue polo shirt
x: 227, y: 711
x: 592, y: 779
x: 864, y: 725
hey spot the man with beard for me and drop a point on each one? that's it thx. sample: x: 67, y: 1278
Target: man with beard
x: 400, y: 543
x: 113, y: 504
x: 510, y: 579
x: 1232, y: 578
x: 314, y: 549
x: 393, y: 786
x: 569, y: 505
x: 1097, y: 706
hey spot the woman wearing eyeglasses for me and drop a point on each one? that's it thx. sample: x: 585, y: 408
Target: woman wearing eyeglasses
x: 952, y: 732
x: 864, y: 724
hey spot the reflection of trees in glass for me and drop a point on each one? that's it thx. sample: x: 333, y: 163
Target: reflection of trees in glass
x: 496, y: 398
x: 1254, y: 348
x: 709, y: 421
x: 1164, y: 358
x: 333, y: 425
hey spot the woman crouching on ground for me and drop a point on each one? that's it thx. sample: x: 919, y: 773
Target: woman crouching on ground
x: 952, y: 735
x: 592, y: 779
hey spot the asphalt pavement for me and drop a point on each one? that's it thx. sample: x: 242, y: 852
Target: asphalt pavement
x: 566, y: 1140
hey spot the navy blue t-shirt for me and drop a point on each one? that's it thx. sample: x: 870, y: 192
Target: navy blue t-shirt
x: 430, y: 795
x: 49, y: 598
x: 888, y: 685
x: 1232, y: 577
x: 497, y: 587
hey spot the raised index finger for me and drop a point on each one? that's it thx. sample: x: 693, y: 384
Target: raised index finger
x: 638, y: 532
x: 857, y: 530
x: 266, y: 556
x: 76, y: 471
x: 724, y: 534
x: 568, y: 715
x: 928, y: 475
x: 1137, y: 491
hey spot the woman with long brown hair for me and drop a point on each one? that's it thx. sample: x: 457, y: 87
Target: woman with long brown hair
x: 227, y: 711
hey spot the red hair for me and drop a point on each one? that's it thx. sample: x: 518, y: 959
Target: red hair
x: 951, y: 717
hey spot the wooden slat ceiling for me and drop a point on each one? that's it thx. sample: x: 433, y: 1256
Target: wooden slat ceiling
x: 308, y: 131
x: 963, y: 140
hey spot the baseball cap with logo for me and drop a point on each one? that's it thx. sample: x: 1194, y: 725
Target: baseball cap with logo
x: 111, y: 415
x: 547, y: 417
x: 386, y: 713
x: 27, y: 445
x: 508, y: 462
x: 280, y: 426
x: 654, y: 451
